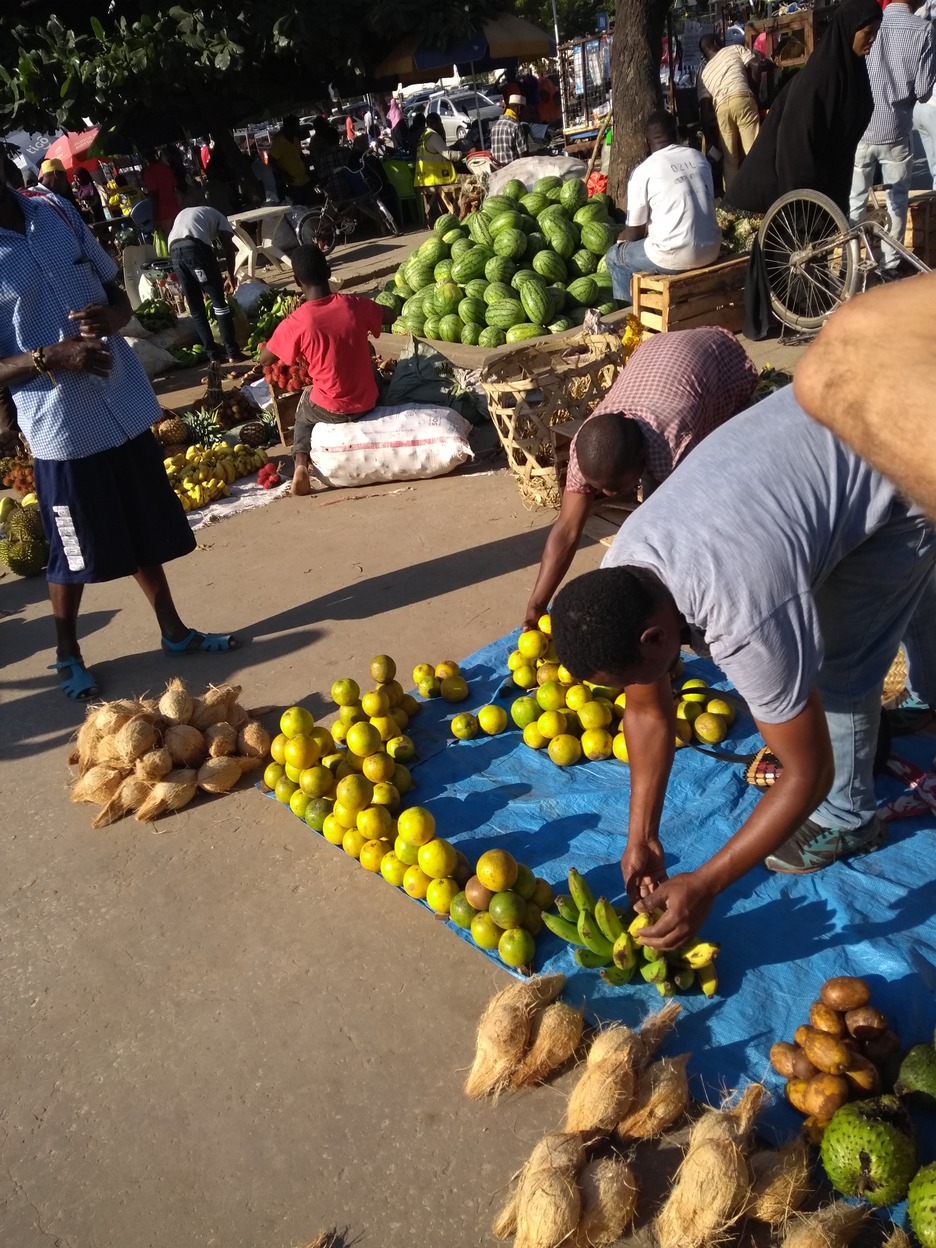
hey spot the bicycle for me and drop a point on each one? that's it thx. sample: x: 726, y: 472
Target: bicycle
x: 324, y: 224
x: 815, y: 260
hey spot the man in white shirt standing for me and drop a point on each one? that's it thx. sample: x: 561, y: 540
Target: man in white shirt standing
x: 671, y: 224
x: 730, y: 118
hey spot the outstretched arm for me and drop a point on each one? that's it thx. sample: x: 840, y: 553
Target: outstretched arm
x: 561, y: 545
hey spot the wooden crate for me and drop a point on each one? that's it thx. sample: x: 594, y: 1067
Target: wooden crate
x: 710, y: 296
x: 921, y: 226
x: 284, y: 409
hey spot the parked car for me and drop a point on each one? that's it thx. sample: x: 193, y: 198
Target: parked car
x: 459, y: 110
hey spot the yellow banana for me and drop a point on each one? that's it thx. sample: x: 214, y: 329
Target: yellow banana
x: 699, y: 954
x: 707, y: 978
x: 625, y: 952
x: 608, y: 919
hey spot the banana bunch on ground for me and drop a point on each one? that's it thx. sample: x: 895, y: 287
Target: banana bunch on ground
x: 608, y: 939
x: 204, y: 474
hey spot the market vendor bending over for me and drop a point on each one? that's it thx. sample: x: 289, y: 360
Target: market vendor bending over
x: 799, y: 569
x: 674, y: 390
x: 331, y: 332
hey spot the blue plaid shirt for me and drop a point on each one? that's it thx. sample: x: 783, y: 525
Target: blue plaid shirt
x: 902, y: 69
x: 57, y: 267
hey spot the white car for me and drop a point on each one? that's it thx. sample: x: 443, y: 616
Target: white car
x: 459, y: 110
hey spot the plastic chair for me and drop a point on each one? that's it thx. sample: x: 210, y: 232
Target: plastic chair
x: 400, y: 176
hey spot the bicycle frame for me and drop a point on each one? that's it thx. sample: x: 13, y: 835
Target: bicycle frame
x: 862, y: 233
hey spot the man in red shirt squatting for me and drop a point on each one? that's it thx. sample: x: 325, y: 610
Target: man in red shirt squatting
x: 331, y: 333
x: 675, y: 389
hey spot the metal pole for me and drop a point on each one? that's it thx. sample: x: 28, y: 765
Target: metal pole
x: 559, y: 66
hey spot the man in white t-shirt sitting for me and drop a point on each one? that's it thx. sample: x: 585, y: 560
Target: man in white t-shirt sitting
x: 730, y: 118
x: 671, y: 224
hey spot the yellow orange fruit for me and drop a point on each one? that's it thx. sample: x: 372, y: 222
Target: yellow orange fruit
x: 551, y: 724
x: 514, y: 660
x: 273, y: 773
x: 382, y: 668
x: 346, y: 817
x: 316, y: 781
x: 392, y: 869
x: 352, y: 842
x: 597, y: 744
x: 438, y: 858
x: 440, y: 894
x: 292, y: 773
x: 345, y: 692
x: 448, y: 667
x: 595, y: 714
x: 544, y: 624
x: 386, y: 794
x: 402, y: 780
x: 408, y: 854
x: 375, y: 703
x: 401, y: 748
x: 352, y: 714
x: 533, y: 737
x: 416, y: 825
x: 709, y: 728
x: 398, y: 714
x: 372, y: 854
x: 619, y: 745
x: 722, y: 708
x: 301, y: 752
x: 332, y: 830
x: 394, y: 691
x: 565, y: 676
x: 423, y: 671
x: 431, y: 687
x: 565, y: 750
x: 551, y: 696
x: 354, y: 792
x: 378, y: 767
x: 363, y: 739
x: 298, y: 803
x: 339, y: 732
x: 493, y: 719
x: 375, y: 822
x: 454, y: 689
x: 416, y: 882
x: 577, y: 696
x: 524, y: 677
x: 296, y: 721
x: 497, y: 870
x: 386, y: 726
x: 464, y: 726
x: 532, y: 644
x: 278, y: 748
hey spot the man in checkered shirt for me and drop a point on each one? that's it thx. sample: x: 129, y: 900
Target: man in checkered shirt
x: 675, y: 389
x: 85, y: 406
x: 508, y: 142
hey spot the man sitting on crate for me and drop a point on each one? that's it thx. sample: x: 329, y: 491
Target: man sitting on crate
x: 331, y: 332
x: 671, y: 226
x: 675, y: 389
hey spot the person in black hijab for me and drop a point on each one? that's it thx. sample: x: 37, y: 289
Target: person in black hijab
x: 809, y: 138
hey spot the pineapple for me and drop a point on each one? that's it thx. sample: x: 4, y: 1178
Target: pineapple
x: 202, y: 427
x: 172, y: 431
x: 255, y: 434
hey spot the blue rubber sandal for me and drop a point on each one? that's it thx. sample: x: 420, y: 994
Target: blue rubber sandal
x: 210, y: 643
x: 80, y: 686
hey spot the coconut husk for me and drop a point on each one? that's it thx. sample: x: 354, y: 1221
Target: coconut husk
x: 661, y: 1099
x: 238, y: 715
x: 130, y: 796
x: 504, y: 1225
x: 219, y: 775
x: 616, y: 1041
x: 548, y: 1207
x: 603, y: 1095
x: 655, y: 1028
x: 112, y: 716
x: 172, y: 793
x: 898, y: 1238
x: 731, y: 1122
x: 137, y: 737
x: 99, y: 784
x: 834, y: 1226
x: 504, y: 1032
x: 253, y: 740
x: 186, y: 745
x: 221, y: 740
x: 154, y: 765
x: 84, y: 753
x: 782, y: 1181
x: 708, y: 1197
x: 555, y: 1034
x: 176, y: 704
x: 609, y: 1197
x: 561, y: 1148
x: 214, y: 707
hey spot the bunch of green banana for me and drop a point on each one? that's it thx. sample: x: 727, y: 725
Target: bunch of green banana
x: 608, y: 940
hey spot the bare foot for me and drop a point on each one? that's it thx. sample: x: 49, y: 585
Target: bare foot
x: 301, y: 485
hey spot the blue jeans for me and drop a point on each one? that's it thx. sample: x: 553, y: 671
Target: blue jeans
x: 626, y: 259
x: 880, y: 594
x: 896, y: 161
x: 924, y: 123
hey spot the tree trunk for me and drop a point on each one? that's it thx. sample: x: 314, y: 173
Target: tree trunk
x: 635, y: 85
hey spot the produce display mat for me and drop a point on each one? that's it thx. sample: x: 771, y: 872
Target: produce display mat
x: 781, y: 936
x: 246, y: 495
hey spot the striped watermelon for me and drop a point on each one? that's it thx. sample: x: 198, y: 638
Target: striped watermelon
x: 520, y: 333
x: 432, y: 250
x: 414, y: 322
x: 577, y: 315
x: 522, y: 276
x: 535, y: 301
x: 560, y: 325
x: 602, y: 280
x: 431, y: 327
x: 562, y: 235
x: 554, y: 195
x: 598, y: 237
x: 453, y: 236
x: 418, y: 274
x: 389, y: 299
x: 443, y: 270
x: 582, y: 264
x: 600, y: 197
x: 416, y: 302
x: 603, y: 264
x: 583, y: 292
x: 447, y: 298
x: 499, y: 269
x: 491, y: 336
x: 472, y: 311
x: 470, y: 265
x: 550, y: 265
x: 534, y: 203
x: 399, y: 326
x: 535, y: 243
x: 514, y: 189
x: 505, y: 313
x: 470, y: 333
x: 510, y: 243
x: 573, y: 194
x: 590, y: 212
x: 544, y: 185
x: 557, y: 301
x: 497, y: 291
x: 476, y: 287
x: 555, y: 212
x: 612, y: 305
x: 450, y: 328
x: 447, y: 221
x: 504, y: 221
x: 495, y: 204
x: 528, y: 224
x: 478, y: 229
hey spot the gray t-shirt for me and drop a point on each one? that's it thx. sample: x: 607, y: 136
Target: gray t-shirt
x: 744, y: 531
x: 203, y: 224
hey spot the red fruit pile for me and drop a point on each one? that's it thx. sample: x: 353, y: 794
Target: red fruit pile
x: 289, y: 377
x: 269, y: 476
x: 17, y: 474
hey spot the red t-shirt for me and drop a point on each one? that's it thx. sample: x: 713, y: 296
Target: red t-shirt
x: 160, y: 181
x: 332, y: 334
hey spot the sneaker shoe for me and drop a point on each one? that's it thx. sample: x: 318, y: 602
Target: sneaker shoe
x: 812, y: 847
x: 236, y: 357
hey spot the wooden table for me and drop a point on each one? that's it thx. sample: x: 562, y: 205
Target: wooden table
x: 265, y: 220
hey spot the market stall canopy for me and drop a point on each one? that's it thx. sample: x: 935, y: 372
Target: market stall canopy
x: 73, y: 148
x: 501, y: 38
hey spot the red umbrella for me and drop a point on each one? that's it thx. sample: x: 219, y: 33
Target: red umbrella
x: 71, y: 148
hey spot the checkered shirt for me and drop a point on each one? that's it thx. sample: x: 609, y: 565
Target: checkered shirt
x: 678, y: 387
x: 902, y: 69
x: 507, y: 141
x: 330, y: 165
x: 57, y: 267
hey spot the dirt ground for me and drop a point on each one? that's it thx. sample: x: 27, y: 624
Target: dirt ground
x: 218, y: 1029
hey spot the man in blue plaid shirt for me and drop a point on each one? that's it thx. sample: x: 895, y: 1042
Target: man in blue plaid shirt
x: 85, y: 406
x: 508, y: 142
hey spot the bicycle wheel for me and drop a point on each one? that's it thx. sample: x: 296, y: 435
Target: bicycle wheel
x: 317, y: 229
x: 811, y: 263
x: 387, y: 217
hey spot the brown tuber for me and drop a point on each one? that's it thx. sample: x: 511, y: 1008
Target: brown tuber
x: 825, y: 1094
x: 826, y: 1053
x: 781, y: 1058
x: 865, y: 1023
x: 845, y: 992
x: 823, y: 1018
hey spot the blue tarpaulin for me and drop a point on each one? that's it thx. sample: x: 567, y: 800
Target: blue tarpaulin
x: 781, y: 936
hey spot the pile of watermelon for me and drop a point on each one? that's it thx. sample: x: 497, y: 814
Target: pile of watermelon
x: 527, y: 264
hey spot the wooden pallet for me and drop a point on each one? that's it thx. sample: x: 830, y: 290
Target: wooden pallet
x: 921, y: 226
x: 709, y: 296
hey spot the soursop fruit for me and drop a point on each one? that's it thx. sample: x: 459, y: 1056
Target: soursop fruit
x: 868, y: 1150
x: 917, y: 1075
x: 921, y: 1206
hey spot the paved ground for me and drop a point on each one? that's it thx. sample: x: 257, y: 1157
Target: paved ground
x: 220, y: 1031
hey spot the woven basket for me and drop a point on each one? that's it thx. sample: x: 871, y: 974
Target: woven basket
x: 538, y: 388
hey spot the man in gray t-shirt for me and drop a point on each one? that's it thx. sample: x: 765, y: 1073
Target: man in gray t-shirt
x: 799, y: 569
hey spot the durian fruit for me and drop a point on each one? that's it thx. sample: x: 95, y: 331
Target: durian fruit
x: 26, y: 557
x: 921, y: 1206
x: 868, y: 1150
x: 25, y: 524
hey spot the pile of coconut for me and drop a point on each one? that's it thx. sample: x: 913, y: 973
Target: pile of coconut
x: 578, y: 1189
x: 152, y: 756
